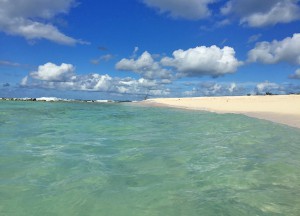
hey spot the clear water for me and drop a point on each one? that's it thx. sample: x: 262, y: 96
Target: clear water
x: 120, y: 159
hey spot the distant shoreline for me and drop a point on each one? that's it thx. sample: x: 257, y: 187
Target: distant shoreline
x: 54, y: 99
x: 283, y: 109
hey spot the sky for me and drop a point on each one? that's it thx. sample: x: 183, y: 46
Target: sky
x: 132, y: 49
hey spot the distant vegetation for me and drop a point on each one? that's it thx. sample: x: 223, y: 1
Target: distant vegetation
x: 269, y: 93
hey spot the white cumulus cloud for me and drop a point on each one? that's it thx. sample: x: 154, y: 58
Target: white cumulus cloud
x: 287, y: 50
x: 257, y: 13
x: 187, y: 9
x: 31, y: 19
x: 53, y: 72
x: 200, y: 61
x: 145, y: 65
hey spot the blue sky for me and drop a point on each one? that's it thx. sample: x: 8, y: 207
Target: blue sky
x: 126, y: 49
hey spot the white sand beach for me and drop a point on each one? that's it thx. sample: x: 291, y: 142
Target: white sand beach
x: 284, y: 109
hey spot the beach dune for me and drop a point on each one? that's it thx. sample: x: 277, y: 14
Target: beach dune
x: 284, y: 109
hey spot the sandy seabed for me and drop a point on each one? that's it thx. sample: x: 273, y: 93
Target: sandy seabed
x: 284, y: 109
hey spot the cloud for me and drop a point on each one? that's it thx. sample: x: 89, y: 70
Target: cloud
x: 24, y: 82
x: 216, y: 89
x: 95, y: 61
x: 192, y: 10
x: 267, y: 86
x: 232, y: 87
x: 106, y: 58
x: 254, y: 38
x: 9, y: 64
x: 30, y: 19
x: 52, y: 72
x: 35, y: 8
x: 257, y: 13
x: 292, y: 88
x: 102, y: 48
x: 146, y: 66
x: 222, y: 23
x: 287, y: 50
x: 140, y: 86
x: 235, y: 89
x: 211, y: 88
x: 200, y: 61
x: 91, y: 82
x: 210, y: 27
x: 134, y: 53
x: 296, y: 75
x: 63, y: 77
x: 195, y: 62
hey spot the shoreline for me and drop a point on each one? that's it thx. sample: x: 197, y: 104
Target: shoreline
x: 283, y: 109
x: 55, y: 99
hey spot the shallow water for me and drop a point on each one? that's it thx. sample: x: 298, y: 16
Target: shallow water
x: 122, y: 159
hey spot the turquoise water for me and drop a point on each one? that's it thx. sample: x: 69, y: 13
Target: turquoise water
x: 123, y: 159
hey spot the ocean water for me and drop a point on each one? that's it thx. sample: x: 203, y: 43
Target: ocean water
x: 123, y: 159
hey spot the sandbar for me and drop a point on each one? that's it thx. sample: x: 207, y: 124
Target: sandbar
x: 283, y: 109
